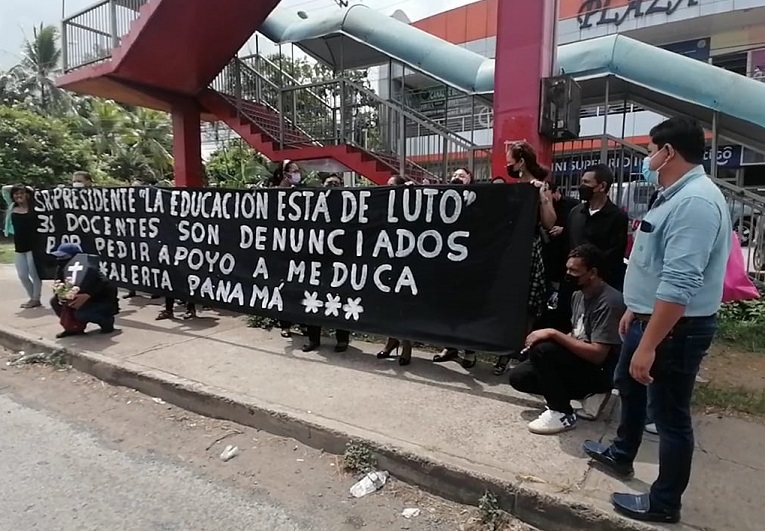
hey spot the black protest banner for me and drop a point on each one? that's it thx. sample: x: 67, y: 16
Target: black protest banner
x: 446, y: 265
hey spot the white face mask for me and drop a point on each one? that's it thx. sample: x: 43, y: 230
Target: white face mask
x: 78, y: 185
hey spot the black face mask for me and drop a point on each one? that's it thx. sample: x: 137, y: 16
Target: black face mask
x: 573, y: 282
x: 515, y: 174
x: 586, y: 192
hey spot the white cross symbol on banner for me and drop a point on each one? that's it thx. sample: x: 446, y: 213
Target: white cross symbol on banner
x: 74, y: 269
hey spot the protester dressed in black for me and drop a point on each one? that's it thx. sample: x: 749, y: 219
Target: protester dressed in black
x: 601, y: 223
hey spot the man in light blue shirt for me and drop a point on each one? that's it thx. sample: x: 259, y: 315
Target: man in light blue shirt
x: 672, y: 289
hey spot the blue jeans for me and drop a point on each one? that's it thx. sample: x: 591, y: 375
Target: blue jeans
x: 674, y: 371
x: 99, y: 313
x: 27, y: 271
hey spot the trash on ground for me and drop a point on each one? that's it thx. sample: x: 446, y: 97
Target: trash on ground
x: 411, y: 513
x: 158, y: 400
x: 370, y: 483
x: 229, y: 453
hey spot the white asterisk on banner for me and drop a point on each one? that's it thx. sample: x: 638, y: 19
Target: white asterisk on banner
x: 353, y: 308
x: 333, y: 306
x: 312, y: 302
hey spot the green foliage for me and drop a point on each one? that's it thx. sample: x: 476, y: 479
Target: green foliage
x: 743, y: 324
x: 37, y: 150
x: 37, y: 70
x: 237, y: 165
x: 730, y: 399
x: 47, y: 133
x: 7, y: 254
x: 492, y: 515
x: 313, y: 109
x: 266, y: 323
x: 358, y: 458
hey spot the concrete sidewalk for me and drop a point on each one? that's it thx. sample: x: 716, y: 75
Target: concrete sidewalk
x: 459, y: 430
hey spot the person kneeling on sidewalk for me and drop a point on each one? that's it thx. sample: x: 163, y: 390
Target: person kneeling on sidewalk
x: 565, y: 367
x: 95, y: 302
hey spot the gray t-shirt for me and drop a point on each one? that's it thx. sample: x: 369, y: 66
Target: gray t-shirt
x: 596, y: 319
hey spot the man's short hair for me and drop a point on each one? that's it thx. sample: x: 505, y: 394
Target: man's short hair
x: 684, y: 134
x: 591, y: 256
x: 84, y: 174
x: 603, y: 174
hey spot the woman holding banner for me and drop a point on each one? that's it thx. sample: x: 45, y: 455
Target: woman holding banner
x: 522, y: 165
x: 286, y: 175
x: 342, y: 337
x: 405, y: 357
x: 463, y: 177
x: 21, y: 223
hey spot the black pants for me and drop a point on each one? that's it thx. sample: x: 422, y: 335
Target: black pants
x: 559, y: 376
x: 170, y: 306
x: 314, y: 335
x: 285, y: 325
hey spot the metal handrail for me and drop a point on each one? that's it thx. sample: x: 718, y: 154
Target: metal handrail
x: 407, y: 112
x: 86, y: 10
x: 259, y: 75
x: 742, y: 192
x: 414, y: 116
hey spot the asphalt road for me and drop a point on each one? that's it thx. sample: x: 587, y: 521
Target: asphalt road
x: 57, y: 477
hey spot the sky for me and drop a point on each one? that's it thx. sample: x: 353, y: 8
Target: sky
x: 19, y: 17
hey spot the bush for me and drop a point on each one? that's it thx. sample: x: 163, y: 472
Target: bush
x: 743, y: 324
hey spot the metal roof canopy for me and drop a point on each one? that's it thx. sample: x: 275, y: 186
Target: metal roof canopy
x: 341, y: 52
x: 736, y: 130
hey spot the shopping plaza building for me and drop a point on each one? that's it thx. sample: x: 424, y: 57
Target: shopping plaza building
x: 726, y: 33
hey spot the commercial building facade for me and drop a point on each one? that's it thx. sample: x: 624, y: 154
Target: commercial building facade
x: 725, y: 33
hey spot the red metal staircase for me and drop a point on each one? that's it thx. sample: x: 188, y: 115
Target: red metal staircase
x: 146, y: 51
x: 250, y: 104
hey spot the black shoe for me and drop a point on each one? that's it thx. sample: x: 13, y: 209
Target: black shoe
x: 501, y: 366
x: 68, y: 333
x: 129, y: 295
x: 310, y: 347
x: 107, y: 329
x: 341, y: 347
x: 638, y: 507
x: 601, y: 454
x: 448, y: 354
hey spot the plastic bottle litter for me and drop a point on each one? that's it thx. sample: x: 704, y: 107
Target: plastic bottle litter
x: 370, y: 483
x: 229, y: 453
x: 411, y: 513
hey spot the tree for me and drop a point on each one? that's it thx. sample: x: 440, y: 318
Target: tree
x: 36, y: 72
x: 237, y: 165
x: 113, y: 141
x: 37, y: 150
x: 150, y: 134
x: 315, y: 110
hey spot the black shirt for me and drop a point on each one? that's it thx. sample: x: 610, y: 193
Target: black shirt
x: 606, y: 229
x: 556, y: 249
x: 24, y: 231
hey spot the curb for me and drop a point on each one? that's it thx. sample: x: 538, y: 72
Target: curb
x: 448, y: 480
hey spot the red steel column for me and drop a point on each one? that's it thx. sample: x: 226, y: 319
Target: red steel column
x: 525, y: 54
x: 187, y: 144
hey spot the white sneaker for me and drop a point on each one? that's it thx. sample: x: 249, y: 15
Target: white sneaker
x: 593, y: 405
x: 651, y: 428
x: 552, y: 422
